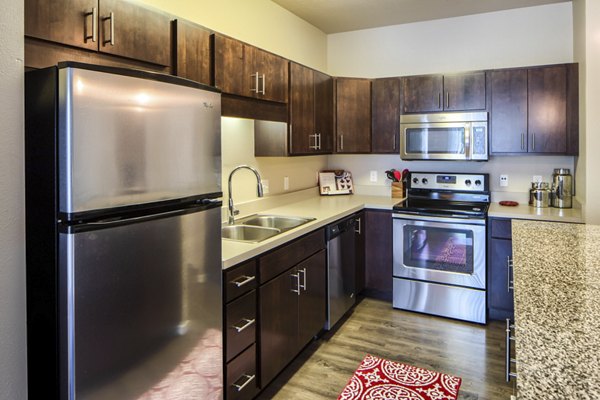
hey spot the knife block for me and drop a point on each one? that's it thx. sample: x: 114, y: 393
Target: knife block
x: 398, y: 190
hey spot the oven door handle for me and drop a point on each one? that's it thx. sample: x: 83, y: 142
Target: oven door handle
x: 432, y: 218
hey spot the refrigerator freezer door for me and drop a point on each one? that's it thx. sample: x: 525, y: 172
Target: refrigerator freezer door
x: 125, y: 140
x: 144, y: 309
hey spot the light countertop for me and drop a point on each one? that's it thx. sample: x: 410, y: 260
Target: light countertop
x: 325, y: 209
x: 525, y: 211
x: 557, y: 309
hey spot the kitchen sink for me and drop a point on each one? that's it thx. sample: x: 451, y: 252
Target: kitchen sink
x: 257, y: 228
x: 248, y: 233
x: 282, y: 223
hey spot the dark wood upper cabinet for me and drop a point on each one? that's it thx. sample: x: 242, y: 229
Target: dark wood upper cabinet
x: 353, y: 115
x: 311, y: 111
x: 508, y: 117
x: 547, y: 105
x: 456, y: 92
x: 266, y: 75
x: 385, y: 123
x: 63, y: 21
x: 464, y: 91
x: 191, y: 59
x: 248, y: 71
x: 117, y: 27
x: 422, y: 93
x: 229, y: 65
x: 534, y: 110
x: 324, y: 110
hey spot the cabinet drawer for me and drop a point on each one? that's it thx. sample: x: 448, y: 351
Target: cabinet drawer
x: 242, y: 381
x: 291, y: 254
x: 240, y: 322
x: 501, y: 228
x: 239, y: 280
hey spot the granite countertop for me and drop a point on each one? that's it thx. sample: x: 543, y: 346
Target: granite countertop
x: 325, y: 209
x: 525, y: 211
x: 557, y: 309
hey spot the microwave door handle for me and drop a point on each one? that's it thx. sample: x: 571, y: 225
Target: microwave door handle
x: 468, y: 150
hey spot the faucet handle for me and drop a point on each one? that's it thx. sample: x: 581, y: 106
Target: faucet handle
x: 236, y: 212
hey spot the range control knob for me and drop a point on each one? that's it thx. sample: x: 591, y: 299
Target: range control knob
x: 415, y: 180
x: 468, y: 182
x: 477, y: 182
x: 424, y: 180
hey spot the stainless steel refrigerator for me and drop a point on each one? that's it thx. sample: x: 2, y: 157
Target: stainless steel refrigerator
x: 123, y: 193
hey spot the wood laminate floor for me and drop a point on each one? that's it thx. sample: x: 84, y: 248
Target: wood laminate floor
x: 473, y: 352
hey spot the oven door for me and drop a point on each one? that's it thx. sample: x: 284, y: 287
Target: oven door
x: 435, y: 141
x: 441, y: 250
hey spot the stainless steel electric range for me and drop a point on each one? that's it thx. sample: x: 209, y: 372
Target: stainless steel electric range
x: 439, y: 246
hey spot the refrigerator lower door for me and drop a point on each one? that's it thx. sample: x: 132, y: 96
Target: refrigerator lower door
x: 143, y: 306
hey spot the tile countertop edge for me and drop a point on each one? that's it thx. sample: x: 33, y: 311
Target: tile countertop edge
x: 325, y: 209
x: 525, y: 211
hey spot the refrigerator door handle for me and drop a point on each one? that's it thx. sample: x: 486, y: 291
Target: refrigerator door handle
x: 112, y: 222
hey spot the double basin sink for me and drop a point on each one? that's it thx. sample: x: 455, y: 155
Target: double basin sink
x: 257, y: 228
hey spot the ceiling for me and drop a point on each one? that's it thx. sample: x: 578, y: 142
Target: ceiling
x: 333, y: 16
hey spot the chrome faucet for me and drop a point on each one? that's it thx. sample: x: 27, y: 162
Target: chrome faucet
x: 259, y: 189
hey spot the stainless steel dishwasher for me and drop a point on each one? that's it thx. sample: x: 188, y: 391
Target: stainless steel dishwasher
x: 341, y: 269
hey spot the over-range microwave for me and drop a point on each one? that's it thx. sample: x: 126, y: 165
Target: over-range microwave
x: 444, y: 136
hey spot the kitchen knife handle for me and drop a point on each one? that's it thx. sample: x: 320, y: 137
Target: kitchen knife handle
x: 94, y: 14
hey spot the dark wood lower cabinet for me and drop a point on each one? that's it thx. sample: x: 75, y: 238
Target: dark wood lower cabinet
x: 242, y: 379
x: 360, y: 253
x: 499, y: 293
x: 378, y: 253
x: 292, y: 312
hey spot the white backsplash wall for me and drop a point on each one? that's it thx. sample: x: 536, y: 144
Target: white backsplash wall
x: 237, y: 147
x: 520, y: 171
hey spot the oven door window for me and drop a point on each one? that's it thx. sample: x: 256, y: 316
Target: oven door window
x: 432, y: 140
x: 439, y: 249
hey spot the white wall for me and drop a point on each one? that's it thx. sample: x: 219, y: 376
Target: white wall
x: 586, y: 17
x: 526, y: 36
x: 261, y: 23
x: 238, y: 148
x: 12, y: 206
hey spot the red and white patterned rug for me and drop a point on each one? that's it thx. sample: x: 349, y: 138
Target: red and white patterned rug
x: 379, y: 379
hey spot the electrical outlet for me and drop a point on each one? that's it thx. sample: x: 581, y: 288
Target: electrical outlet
x: 265, y: 185
x: 286, y: 183
x: 503, y: 180
x: 373, y: 176
x: 536, y: 178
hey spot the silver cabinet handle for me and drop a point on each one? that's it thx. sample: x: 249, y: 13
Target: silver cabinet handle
x: 508, y: 361
x: 303, y: 272
x: 315, y: 146
x: 247, y: 323
x: 297, y: 278
x: 94, y: 14
x: 263, y: 85
x: 440, y: 100
x: 240, y: 386
x: 523, y: 141
x: 358, y: 229
x: 341, y: 142
x: 447, y: 99
x: 533, y: 141
x: 319, y: 142
x: 509, y: 283
x: 395, y: 142
x: 244, y: 280
x: 111, y: 18
x: 255, y: 88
